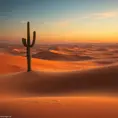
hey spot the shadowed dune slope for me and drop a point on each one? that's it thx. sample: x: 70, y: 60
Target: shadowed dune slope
x: 47, y: 55
x: 49, y: 83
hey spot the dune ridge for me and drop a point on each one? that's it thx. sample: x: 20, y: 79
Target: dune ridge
x: 49, y: 55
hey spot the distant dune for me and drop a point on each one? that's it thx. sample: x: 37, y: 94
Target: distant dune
x: 114, y: 51
x: 105, y: 61
x: 101, y: 49
x: 47, y: 55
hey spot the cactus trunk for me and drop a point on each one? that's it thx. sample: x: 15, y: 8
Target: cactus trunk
x: 28, y: 45
x: 28, y: 59
x: 28, y: 48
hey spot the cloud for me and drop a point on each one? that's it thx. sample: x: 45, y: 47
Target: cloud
x: 23, y: 21
x: 63, y: 23
x: 60, y: 23
x: 104, y: 15
x: 84, y: 17
x: 101, y: 15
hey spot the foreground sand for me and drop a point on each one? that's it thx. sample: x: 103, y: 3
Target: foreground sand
x: 60, y: 107
x: 22, y: 94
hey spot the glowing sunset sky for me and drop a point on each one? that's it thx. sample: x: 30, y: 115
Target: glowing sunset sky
x: 60, y: 20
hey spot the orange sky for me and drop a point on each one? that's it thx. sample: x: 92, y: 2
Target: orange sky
x: 62, y: 21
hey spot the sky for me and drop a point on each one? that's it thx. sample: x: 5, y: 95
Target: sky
x: 60, y: 21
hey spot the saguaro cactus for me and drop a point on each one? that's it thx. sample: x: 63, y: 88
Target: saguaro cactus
x: 28, y: 45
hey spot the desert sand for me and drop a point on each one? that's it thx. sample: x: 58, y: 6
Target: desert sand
x: 60, y: 107
x: 85, y: 93
x: 10, y: 64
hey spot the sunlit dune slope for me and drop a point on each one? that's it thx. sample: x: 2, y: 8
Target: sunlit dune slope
x: 104, y: 79
x: 10, y: 64
x: 7, y: 64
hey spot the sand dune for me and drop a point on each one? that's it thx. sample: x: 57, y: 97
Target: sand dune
x: 101, y: 49
x: 22, y: 94
x: 47, y: 55
x: 59, y: 82
x: 7, y: 64
x: 60, y: 107
x: 10, y: 64
x: 106, y: 61
x: 102, y: 79
x: 114, y: 51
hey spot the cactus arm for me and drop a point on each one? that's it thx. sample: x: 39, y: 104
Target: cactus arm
x: 24, y: 42
x: 34, y: 39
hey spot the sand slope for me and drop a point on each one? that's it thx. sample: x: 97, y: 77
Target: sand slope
x: 48, y: 55
x: 22, y: 94
x: 102, y: 79
x: 46, y: 83
x: 60, y: 107
x: 11, y: 64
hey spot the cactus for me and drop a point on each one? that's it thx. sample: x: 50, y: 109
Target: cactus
x: 28, y: 45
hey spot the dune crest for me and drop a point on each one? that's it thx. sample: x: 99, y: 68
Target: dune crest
x: 51, y: 55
